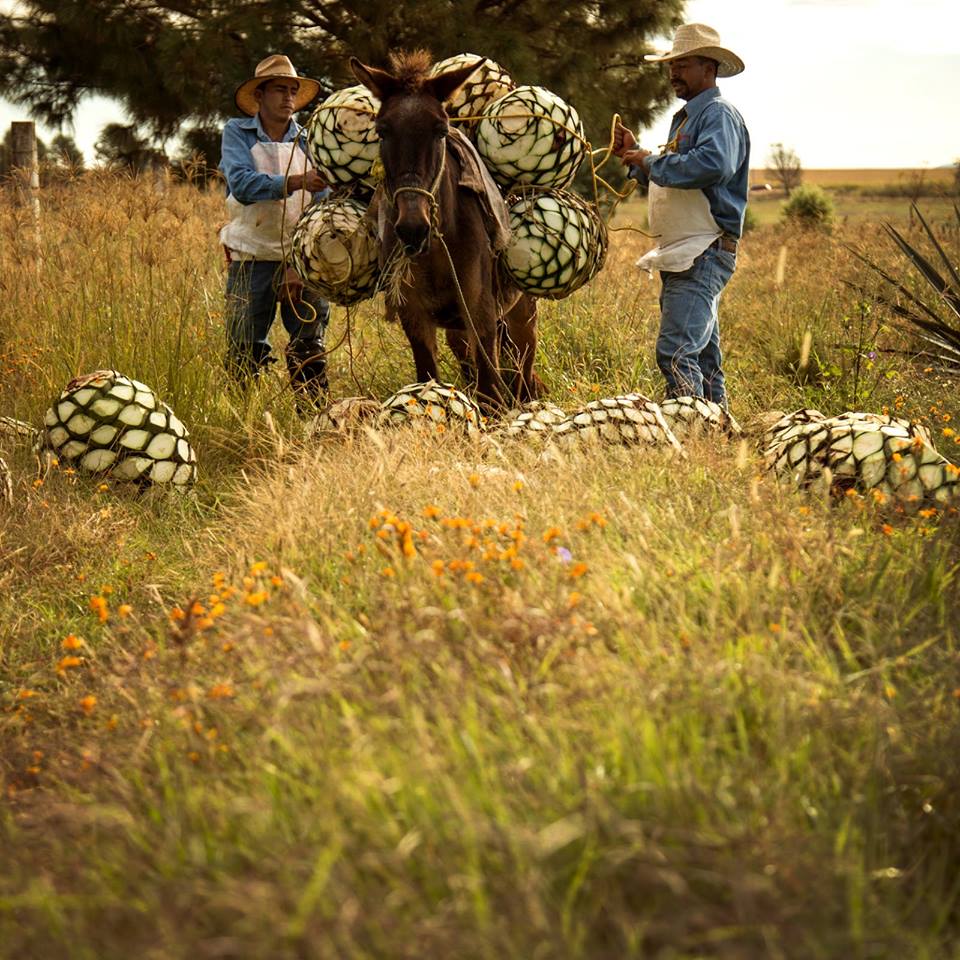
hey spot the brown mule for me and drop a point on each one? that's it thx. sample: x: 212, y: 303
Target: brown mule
x: 447, y: 233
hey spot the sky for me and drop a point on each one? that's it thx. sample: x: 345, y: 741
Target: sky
x: 845, y: 83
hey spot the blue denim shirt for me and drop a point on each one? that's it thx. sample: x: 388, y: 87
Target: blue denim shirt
x: 244, y: 181
x: 712, y: 155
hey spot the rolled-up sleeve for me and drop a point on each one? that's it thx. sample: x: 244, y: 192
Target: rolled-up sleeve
x: 245, y: 183
x: 719, y: 153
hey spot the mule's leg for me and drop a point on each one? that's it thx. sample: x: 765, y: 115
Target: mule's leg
x: 459, y: 344
x: 422, y: 336
x: 484, y: 338
x: 521, y: 327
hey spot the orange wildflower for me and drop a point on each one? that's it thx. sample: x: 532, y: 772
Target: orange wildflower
x: 99, y: 605
x: 88, y: 703
x: 220, y: 691
x: 68, y: 663
x: 72, y: 642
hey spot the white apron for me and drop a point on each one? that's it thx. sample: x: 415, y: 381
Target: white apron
x: 262, y: 230
x: 684, y: 226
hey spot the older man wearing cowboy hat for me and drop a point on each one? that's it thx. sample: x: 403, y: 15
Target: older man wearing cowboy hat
x: 270, y: 181
x: 698, y: 194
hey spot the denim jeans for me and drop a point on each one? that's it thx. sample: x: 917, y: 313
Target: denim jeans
x: 688, y: 347
x: 251, y: 308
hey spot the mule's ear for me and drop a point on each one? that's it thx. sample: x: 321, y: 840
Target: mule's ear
x: 380, y: 83
x: 447, y: 84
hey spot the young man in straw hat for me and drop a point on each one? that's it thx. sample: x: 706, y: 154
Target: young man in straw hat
x: 270, y: 181
x: 698, y: 194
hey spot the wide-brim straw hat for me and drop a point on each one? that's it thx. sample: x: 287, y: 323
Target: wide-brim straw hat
x: 699, y: 40
x: 275, y: 67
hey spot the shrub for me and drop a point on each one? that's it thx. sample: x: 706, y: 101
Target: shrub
x: 749, y: 220
x: 809, y: 206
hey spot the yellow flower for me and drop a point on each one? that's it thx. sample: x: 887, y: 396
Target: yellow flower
x: 103, y: 488
x: 276, y: 581
x: 177, y: 614
x: 26, y: 694
x: 474, y: 479
x: 551, y: 534
x: 430, y: 511
x: 388, y: 572
x: 88, y: 703
x: 72, y: 642
x: 256, y: 598
x: 437, y: 568
x: 220, y: 691
x: 100, y: 607
x: 475, y: 577
x: 518, y: 485
x: 516, y: 563
x: 258, y: 567
x: 574, y: 599
x: 124, y: 610
x: 68, y: 663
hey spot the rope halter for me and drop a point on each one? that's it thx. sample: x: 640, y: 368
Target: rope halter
x: 430, y: 194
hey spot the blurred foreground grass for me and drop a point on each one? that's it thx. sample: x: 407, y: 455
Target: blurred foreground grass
x: 403, y: 697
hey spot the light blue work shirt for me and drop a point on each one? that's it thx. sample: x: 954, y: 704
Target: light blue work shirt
x: 712, y: 154
x: 244, y: 182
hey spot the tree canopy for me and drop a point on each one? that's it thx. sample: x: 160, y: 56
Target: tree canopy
x: 175, y: 64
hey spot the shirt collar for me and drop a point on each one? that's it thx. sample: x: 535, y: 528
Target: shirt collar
x: 695, y: 105
x: 253, y: 123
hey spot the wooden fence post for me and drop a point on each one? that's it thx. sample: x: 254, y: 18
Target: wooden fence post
x: 26, y: 173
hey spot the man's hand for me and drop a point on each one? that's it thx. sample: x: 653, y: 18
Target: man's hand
x: 635, y: 158
x: 310, y: 181
x: 623, y: 140
x: 292, y: 287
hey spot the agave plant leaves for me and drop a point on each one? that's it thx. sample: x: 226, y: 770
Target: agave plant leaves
x: 939, y: 328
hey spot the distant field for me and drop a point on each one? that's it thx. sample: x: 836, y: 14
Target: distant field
x: 878, y: 177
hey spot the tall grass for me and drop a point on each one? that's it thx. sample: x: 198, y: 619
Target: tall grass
x: 604, y: 704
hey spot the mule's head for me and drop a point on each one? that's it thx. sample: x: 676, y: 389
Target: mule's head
x: 412, y: 126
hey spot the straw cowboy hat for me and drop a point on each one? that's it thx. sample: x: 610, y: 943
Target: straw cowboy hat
x: 275, y: 67
x: 699, y: 40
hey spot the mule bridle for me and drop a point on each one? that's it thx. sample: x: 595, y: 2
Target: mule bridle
x: 430, y: 194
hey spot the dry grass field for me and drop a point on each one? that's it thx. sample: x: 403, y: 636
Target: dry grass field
x: 866, y: 179
x: 434, y: 696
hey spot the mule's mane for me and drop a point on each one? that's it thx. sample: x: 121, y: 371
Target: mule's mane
x: 411, y: 68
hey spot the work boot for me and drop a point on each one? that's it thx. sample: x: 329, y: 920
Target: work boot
x: 307, y: 363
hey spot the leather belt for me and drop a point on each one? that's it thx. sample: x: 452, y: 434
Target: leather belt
x: 725, y: 243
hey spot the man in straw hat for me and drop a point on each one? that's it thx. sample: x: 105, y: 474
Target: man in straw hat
x: 698, y: 194
x: 270, y: 181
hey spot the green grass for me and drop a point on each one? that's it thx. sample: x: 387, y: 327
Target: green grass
x: 726, y: 726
